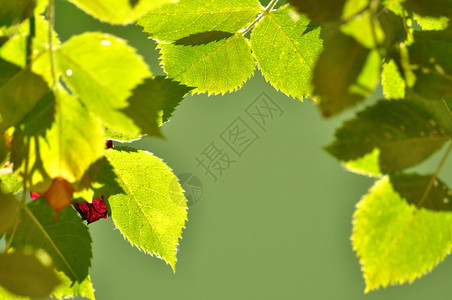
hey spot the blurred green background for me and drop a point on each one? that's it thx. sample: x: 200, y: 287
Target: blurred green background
x: 276, y: 225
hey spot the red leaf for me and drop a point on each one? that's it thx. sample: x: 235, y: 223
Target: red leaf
x: 92, y: 212
x: 59, y: 195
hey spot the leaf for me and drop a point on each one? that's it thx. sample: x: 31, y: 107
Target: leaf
x: 321, y: 11
x: 12, y: 12
x: 27, y: 274
x: 394, y: 29
x: 203, y: 38
x: 434, y: 8
x: 5, y: 295
x: 152, y: 212
x: 199, y: 16
x: 153, y: 102
x: 396, y: 241
x: 392, y: 81
x: 337, y: 68
x: 68, y: 289
x: 61, y: 138
x: 399, y: 133
x: 431, y: 23
x: 68, y: 241
x: 15, y: 100
x: 286, y: 46
x: 361, y: 28
x: 173, y: 94
x: 8, y: 212
x: 423, y: 191
x: 431, y: 51
x: 216, y: 67
x: 102, y: 86
x: 119, y: 12
x: 10, y: 183
x: 59, y: 195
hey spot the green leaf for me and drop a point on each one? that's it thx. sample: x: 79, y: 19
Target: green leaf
x: 67, y: 139
x: 216, y: 67
x: 5, y: 295
x: 153, y: 102
x: 16, y: 101
x: 431, y: 23
x: 397, y: 135
x: 392, y: 81
x: 337, y: 68
x: 12, y: 12
x: 68, y: 289
x: 8, y: 212
x: 152, y: 212
x: 396, y: 241
x: 424, y: 191
x: 393, y: 29
x: 286, y: 46
x: 10, y: 183
x: 27, y: 274
x: 361, y: 28
x: 102, y: 86
x: 321, y: 11
x: 119, y: 12
x: 434, y: 8
x: 67, y: 241
x: 431, y: 51
x: 430, y: 57
x: 199, y: 16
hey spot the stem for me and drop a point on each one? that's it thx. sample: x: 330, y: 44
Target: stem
x: 264, y: 12
x: 31, y: 35
x: 51, y: 19
x: 373, y: 16
x: 435, y: 175
x: 270, y: 6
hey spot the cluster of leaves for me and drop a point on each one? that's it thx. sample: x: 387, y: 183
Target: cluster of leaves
x: 60, y: 102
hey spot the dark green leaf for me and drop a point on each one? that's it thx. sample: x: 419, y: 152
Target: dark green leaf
x: 203, y: 38
x: 67, y: 241
x: 173, y: 94
x: 320, y: 11
x: 133, y: 3
x: 413, y: 187
x: 393, y: 29
x: 394, y: 134
x: 337, y: 69
x: 12, y: 12
x: 8, y: 212
x: 429, y: 8
x: 27, y: 274
x: 15, y: 100
x: 432, y: 85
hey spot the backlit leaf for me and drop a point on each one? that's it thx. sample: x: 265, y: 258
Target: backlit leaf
x: 392, y: 81
x: 119, y: 12
x: 69, y: 289
x: 164, y: 24
x: 102, y: 70
x: 395, y: 241
x: 286, y: 46
x: 67, y: 241
x: 216, y: 67
x: 27, y: 274
x: 152, y: 212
